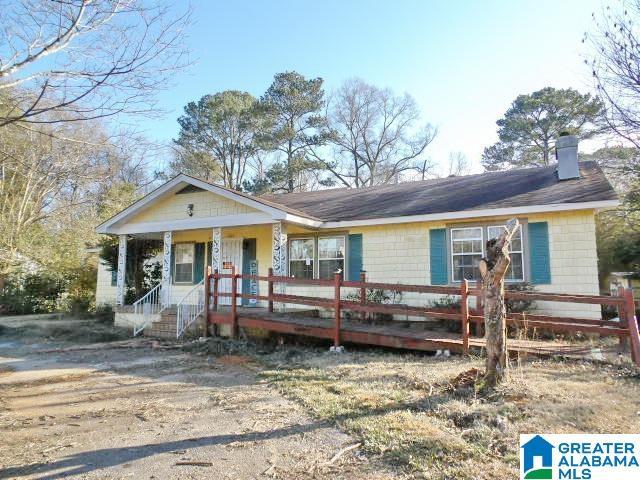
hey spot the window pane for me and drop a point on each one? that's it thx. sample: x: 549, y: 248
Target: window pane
x: 300, y: 269
x: 184, y: 253
x: 184, y: 272
x: 329, y: 267
x: 515, y: 271
x: 516, y: 268
x: 516, y: 240
x: 467, y: 233
x: 301, y: 249
x: 331, y: 247
x: 466, y: 266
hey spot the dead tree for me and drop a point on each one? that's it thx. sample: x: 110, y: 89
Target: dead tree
x: 492, y: 270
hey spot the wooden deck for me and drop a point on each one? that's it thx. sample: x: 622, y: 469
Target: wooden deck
x: 394, y: 334
x: 348, y: 325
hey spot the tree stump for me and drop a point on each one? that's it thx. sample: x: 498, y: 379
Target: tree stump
x: 492, y: 270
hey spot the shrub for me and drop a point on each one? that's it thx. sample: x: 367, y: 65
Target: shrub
x: 519, y: 306
x: 32, y: 293
x: 379, y: 296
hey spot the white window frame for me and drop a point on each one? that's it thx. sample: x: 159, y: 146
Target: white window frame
x: 451, y: 230
x: 175, y: 262
x: 521, y: 252
x: 313, y: 258
x: 344, y: 258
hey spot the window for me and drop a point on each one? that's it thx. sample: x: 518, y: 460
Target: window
x: 515, y: 273
x: 330, y: 256
x: 301, y: 256
x: 466, y: 252
x: 183, y: 271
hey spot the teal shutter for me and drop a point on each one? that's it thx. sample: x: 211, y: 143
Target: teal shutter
x: 438, y: 256
x: 209, y: 249
x: 114, y: 278
x: 198, y: 268
x: 173, y: 262
x: 539, y: 257
x: 354, y: 256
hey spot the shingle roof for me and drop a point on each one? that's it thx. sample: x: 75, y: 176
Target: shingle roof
x: 512, y: 188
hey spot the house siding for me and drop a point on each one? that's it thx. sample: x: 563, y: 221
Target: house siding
x: 398, y: 253
x: 205, y: 205
x: 105, y: 293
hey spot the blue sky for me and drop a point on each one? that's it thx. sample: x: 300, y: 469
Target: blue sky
x: 463, y: 61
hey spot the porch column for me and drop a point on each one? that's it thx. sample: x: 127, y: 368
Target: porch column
x: 216, y: 249
x: 279, y: 253
x: 166, y: 268
x: 122, y: 262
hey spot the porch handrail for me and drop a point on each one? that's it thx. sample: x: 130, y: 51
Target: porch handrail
x: 149, y: 305
x: 189, y: 308
x: 465, y: 313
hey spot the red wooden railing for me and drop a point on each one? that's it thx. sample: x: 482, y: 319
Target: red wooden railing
x: 623, y: 301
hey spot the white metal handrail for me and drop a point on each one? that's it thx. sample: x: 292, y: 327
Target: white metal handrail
x: 189, y: 308
x: 148, y: 306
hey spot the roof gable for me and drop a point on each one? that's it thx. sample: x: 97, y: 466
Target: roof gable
x: 171, y: 199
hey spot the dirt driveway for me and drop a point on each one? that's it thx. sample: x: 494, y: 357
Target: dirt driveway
x: 154, y: 413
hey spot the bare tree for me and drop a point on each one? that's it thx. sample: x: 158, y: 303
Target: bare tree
x: 493, y: 269
x: 616, y: 67
x: 85, y: 59
x: 425, y: 168
x: 47, y: 178
x: 458, y: 164
x: 376, y: 135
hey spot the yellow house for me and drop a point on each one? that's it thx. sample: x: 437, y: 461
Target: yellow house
x: 429, y: 232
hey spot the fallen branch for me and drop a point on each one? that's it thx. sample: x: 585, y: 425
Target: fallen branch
x: 195, y: 464
x: 341, y: 452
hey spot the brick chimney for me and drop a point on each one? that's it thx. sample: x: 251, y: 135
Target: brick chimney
x: 567, y: 156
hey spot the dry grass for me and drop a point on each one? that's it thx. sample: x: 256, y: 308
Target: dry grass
x: 408, y: 413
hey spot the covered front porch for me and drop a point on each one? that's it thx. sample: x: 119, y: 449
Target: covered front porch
x: 185, y: 257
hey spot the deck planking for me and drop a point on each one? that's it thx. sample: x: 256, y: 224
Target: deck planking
x: 394, y: 334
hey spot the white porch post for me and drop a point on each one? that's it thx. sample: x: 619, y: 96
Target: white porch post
x: 166, y: 269
x: 216, y: 249
x: 122, y: 262
x: 279, y: 253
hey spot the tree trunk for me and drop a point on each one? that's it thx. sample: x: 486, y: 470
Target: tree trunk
x: 492, y: 270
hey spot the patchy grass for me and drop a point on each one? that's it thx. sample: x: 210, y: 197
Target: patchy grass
x: 90, y: 331
x: 420, y: 415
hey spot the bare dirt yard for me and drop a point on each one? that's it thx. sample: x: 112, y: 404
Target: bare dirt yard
x: 221, y: 409
x: 128, y: 410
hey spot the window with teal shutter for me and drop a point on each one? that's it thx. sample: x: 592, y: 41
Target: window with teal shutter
x: 438, y: 256
x: 198, y: 267
x: 539, y: 257
x: 354, y: 257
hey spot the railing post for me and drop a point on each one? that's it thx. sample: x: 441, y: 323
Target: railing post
x: 234, y: 303
x: 216, y: 287
x: 363, y: 294
x: 464, y: 312
x: 630, y: 310
x: 207, y: 292
x: 270, y: 289
x: 480, y: 309
x: 337, y: 282
x: 623, y: 318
